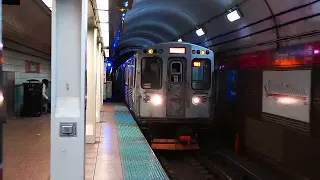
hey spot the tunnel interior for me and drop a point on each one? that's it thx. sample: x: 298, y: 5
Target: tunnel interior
x: 269, y: 35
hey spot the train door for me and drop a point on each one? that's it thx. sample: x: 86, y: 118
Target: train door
x: 176, y: 87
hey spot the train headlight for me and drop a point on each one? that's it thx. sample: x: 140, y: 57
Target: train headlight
x: 195, y: 100
x: 156, y: 100
x: 1, y: 98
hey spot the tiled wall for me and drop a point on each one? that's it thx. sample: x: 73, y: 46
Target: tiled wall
x: 14, y: 61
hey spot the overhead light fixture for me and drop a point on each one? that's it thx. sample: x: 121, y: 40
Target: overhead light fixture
x: 180, y: 40
x: 200, y: 32
x: 234, y: 14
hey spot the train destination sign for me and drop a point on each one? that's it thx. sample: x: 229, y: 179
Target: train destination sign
x: 177, y: 50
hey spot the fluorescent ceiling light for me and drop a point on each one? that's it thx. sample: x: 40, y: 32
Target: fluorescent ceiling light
x: 234, y: 15
x: 200, y: 32
x: 180, y: 40
x: 104, y: 18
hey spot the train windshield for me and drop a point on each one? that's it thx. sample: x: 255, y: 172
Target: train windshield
x: 151, y: 68
x: 201, y: 74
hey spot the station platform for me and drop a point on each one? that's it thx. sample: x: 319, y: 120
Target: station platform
x: 120, y: 151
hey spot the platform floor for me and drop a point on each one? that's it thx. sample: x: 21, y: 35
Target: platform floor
x: 26, y: 149
x: 121, y: 152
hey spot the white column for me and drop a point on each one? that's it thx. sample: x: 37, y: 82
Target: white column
x: 98, y: 83
x: 69, y: 38
x: 91, y: 86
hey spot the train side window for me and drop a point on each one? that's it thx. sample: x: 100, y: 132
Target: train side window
x: 151, y: 73
x: 126, y: 73
x: 176, y: 72
x: 135, y: 72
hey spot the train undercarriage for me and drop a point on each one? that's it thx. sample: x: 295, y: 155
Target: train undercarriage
x: 174, y: 134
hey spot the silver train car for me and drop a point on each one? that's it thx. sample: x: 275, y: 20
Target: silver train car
x: 168, y: 88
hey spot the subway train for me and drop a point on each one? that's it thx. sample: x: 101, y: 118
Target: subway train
x: 168, y: 90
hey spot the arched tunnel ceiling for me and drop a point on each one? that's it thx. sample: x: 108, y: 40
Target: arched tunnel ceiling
x: 265, y: 23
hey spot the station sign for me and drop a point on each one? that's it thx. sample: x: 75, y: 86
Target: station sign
x: 32, y: 67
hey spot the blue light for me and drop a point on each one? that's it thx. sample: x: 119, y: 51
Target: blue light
x: 109, y: 64
x: 126, y: 4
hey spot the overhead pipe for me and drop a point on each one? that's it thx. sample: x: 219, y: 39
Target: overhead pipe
x: 259, y: 21
x: 282, y: 39
x: 267, y: 29
x: 274, y: 21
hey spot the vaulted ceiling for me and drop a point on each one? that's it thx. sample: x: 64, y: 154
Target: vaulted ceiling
x: 265, y: 24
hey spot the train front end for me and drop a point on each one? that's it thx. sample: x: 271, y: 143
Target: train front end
x: 174, y: 101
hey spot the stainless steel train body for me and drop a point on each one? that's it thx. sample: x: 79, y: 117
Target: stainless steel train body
x: 170, y: 83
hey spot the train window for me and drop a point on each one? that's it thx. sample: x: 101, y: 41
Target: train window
x: 135, y: 72
x: 151, y: 73
x: 126, y: 75
x: 201, y: 74
x: 176, y: 67
x: 175, y: 72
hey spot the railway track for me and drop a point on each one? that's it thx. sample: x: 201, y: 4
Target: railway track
x: 193, y: 165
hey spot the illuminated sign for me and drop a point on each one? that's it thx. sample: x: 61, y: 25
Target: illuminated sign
x: 196, y: 64
x: 177, y: 50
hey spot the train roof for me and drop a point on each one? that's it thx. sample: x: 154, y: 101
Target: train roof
x: 176, y: 44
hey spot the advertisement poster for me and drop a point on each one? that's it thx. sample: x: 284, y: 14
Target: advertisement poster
x: 287, y: 94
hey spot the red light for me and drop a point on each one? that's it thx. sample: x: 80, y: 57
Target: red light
x: 185, y: 138
x: 177, y: 50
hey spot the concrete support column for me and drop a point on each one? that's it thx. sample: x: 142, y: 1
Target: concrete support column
x: 91, y: 86
x: 98, y: 83
x: 69, y: 39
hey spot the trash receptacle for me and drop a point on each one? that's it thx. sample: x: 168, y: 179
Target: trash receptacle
x: 32, y: 98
